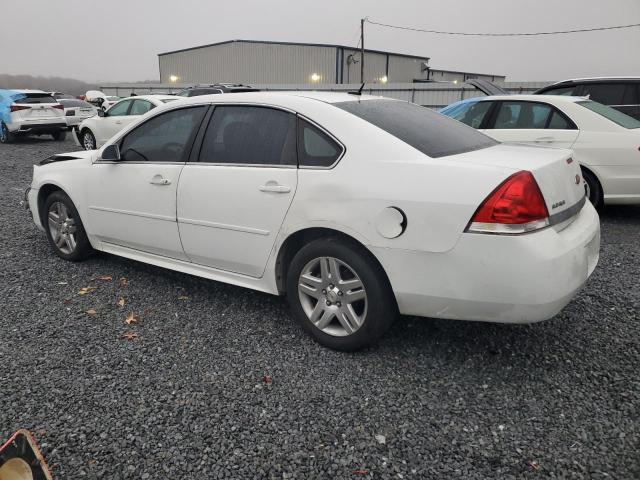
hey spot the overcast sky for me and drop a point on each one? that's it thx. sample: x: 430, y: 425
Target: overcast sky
x: 118, y: 40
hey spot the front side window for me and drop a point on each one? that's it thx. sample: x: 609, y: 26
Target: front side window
x: 522, y: 115
x: 250, y: 135
x: 316, y: 148
x: 471, y: 113
x: 119, y: 109
x: 167, y: 137
x: 140, y: 107
x: 612, y: 114
x: 431, y: 133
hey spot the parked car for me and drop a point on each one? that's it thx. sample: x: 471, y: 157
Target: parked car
x: 75, y: 111
x: 621, y: 93
x: 100, y: 100
x: 605, y: 141
x: 95, y: 131
x: 355, y: 207
x: 215, y: 88
x: 31, y: 112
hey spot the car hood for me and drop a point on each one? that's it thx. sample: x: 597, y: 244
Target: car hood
x: 65, y: 157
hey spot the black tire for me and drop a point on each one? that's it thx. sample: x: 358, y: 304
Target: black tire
x: 87, y: 138
x: 5, y: 135
x: 380, y: 310
x: 59, y: 136
x: 82, y: 247
x: 593, y: 188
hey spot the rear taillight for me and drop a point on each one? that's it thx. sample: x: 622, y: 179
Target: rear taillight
x: 516, y: 206
x: 58, y: 106
x: 16, y: 108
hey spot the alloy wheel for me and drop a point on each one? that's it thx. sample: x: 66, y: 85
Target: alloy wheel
x: 88, y: 141
x: 332, y: 296
x: 62, y: 228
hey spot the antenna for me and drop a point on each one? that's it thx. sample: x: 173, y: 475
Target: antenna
x: 357, y: 92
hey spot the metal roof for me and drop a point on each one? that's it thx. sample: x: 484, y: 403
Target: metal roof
x: 294, y: 44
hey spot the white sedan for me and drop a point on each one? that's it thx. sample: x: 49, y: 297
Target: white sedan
x: 355, y: 207
x: 606, y: 142
x: 95, y: 131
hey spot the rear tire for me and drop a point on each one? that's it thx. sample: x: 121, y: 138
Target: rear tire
x: 59, y: 136
x: 88, y: 140
x: 593, y: 189
x: 64, y: 228
x: 339, y: 294
x: 5, y: 135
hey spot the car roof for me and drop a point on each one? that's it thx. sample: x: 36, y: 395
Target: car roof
x: 595, y: 79
x: 151, y: 97
x: 282, y: 97
x: 532, y: 98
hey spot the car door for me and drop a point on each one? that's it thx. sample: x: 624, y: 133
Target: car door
x: 533, y: 123
x: 132, y: 202
x: 232, y: 202
x: 114, y: 120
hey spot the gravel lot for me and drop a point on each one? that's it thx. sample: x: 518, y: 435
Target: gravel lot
x: 189, y: 399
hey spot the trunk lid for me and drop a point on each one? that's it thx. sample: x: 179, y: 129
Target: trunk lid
x: 558, y: 175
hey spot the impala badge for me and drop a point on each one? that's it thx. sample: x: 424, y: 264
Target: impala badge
x: 557, y: 204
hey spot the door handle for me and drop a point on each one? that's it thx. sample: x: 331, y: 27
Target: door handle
x: 159, y: 180
x: 545, y: 139
x: 275, y: 188
x: 118, y: 123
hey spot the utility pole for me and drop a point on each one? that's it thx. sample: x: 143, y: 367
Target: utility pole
x: 362, y: 50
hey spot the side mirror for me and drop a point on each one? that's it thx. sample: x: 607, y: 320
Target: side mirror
x: 111, y: 153
x: 101, y: 113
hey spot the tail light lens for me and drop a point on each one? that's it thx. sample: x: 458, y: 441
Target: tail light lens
x: 516, y: 206
x: 58, y: 106
x: 17, y: 108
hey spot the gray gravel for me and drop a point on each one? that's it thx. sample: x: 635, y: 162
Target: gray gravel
x: 188, y: 397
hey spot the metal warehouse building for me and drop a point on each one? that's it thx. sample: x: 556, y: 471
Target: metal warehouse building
x: 261, y: 62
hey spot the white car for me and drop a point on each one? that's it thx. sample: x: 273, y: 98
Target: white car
x: 75, y: 111
x: 30, y: 112
x: 100, y: 99
x: 605, y: 141
x: 355, y: 207
x: 95, y: 131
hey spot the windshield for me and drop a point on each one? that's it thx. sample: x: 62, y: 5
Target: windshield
x: 432, y: 133
x: 612, y: 114
x: 74, y: 103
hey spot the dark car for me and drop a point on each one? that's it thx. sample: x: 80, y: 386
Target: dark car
x: 621, y: 93
x: 215, y: 89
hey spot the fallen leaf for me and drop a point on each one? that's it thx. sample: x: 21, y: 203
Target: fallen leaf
x: 121, y: 302
x: 131, y: 318
x: 124, y: 282
x: 361, y: 471
x: 91, y: 312
x: 267, y: 379
x: 105, y: 278
x: 85, y: 290
x: 92, y: 462
x: 130, y: 335
x: 534, y: 465
x: 183, y: 297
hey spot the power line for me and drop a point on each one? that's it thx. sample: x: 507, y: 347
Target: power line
x: 532, y: 34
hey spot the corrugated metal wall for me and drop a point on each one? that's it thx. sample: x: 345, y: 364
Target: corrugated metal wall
x: 432, y: 95
x: 241, y: 62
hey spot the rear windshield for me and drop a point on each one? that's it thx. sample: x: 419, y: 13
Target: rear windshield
x: 74, y: 103
x: 36, y: 98
x: 433, y: 134
x: 612, y: 114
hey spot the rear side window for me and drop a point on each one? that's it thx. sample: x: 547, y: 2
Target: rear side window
x: 140, y: 107
x: 203, y: 91
x: 251, y: 136
x: 560, y: 91
x: 431, y: 133
x: 559, y: 122
x: 36, y: 98
x: 606, y: 93
x: 167, y: 137
x: 316, y: 148
x: 612, y: 114
x: 470, y: 113
x: 522, y: 115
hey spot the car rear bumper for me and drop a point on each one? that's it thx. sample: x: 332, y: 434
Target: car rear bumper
x: 497, y: 278
x: 38, y: 126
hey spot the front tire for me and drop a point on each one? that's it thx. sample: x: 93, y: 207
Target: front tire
x: 59, y: 136
x: 5, y: 135
x: 88, y: 140
x: 339, y: 294
x: 64, y: 228
x: 593, y: 189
